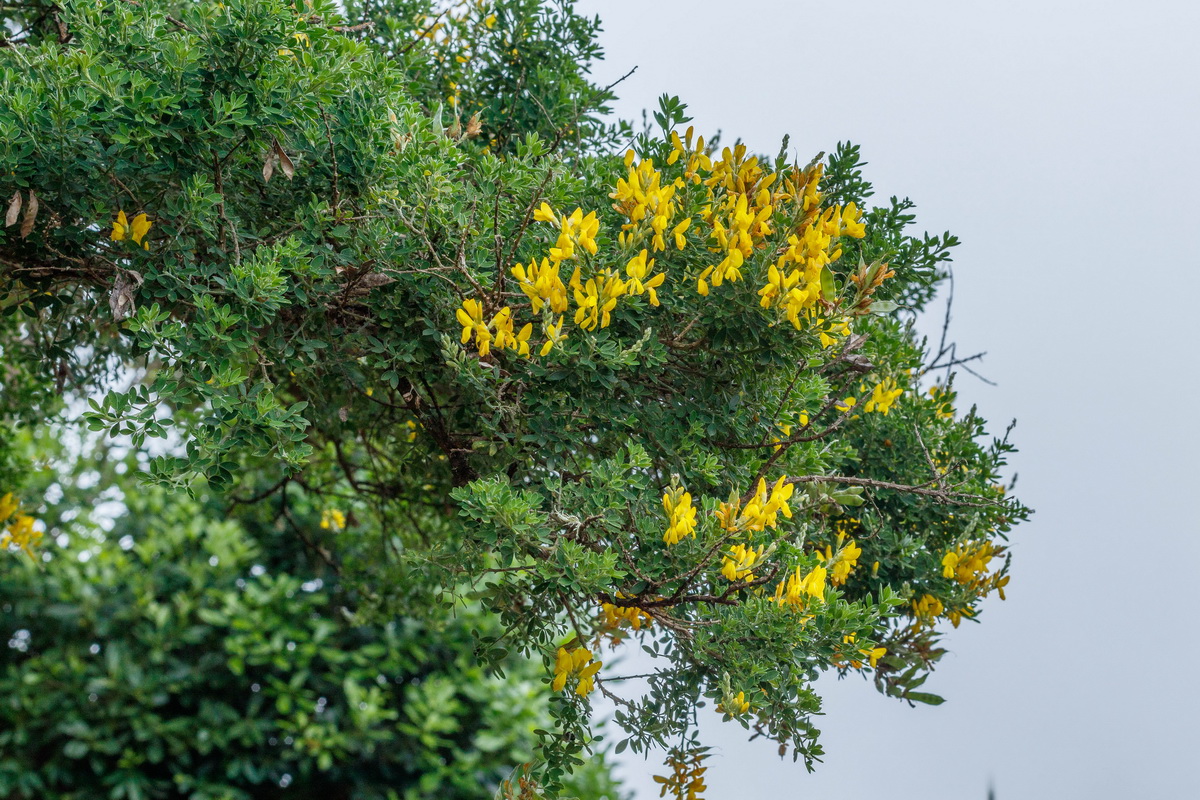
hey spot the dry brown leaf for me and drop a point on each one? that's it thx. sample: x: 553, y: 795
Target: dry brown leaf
x: 285, y: 163
x: 269, y: 166
x: 31, y: 209
x: 14, y: 210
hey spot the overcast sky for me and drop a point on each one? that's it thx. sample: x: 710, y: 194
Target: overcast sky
x: 1061, y: 142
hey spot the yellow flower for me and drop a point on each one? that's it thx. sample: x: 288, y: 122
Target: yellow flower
x: 926, y: 609
x: 120, y: 227
x: 8, y: 505
x: 678, y: 232
x: 968, y: 561
x: 681, y: 515
x: 883, y: 396
x: 638, y: 269
x: 545, y: 214
x: 470, y: 316
x: 874, y: 654
x: 578, y: 663
x: 739, y: 563
x: 837, y: 329
x: 502, y: 324
x: 737, y: 706
x: 797, y: 589
x: 597, y: 299
x: 851, y: 222
x: 139, y: 229
x: 17, y: 529
x: 554, y: 336
x: 333, y: 520
x: 542, y: 285
x: 489, y: 21
x: 615, y: 617
x: 842, y: 563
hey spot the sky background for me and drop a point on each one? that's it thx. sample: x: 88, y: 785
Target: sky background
x: 1058, y: 140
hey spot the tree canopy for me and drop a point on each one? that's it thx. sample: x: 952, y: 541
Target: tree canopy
x: 392, y: 281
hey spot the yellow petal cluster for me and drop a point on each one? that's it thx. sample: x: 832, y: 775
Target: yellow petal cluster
x: 796, y: 589
x: 497, y: 333
x: 842, y: 562
x: 596, y: 299
x: 640, y: 281
x: 575, y: 232
x: 926, y: 609
x: 470, y: 316
x: 681, y: 515
x: 872, y: 654
x: 686, y: 781
x: 883, y: 396
x: 695, y: 156
x: 577, y: 663
x: 333, y: 520
x: 738, y: 564
x: 554, y: 336
x: 762, y: 511
x: 542, y: 285
x: 968, y: 562
x: 794, y: 280
x: 502, y: 324
x: 18, y: 529
x: 737, y: 705
x: 614, y: 617
x: 137, y: 230
x: 647, y: 204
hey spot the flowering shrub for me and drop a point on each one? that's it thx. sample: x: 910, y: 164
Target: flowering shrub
x: 623, y: 387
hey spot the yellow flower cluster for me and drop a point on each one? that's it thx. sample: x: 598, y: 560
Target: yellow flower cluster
x: 763, y: 509
x: 696, y: 156
x: 741, y: 204
x: 945, y: 400
x: 686, y: 781
x: 926, y: 609
x: 737, y: 706
x: 333, y: 520
x: 681, y: 515
x: 794, y: 280
x: 872, y: 654
x: 578, y: 663
x: 614, y: 617
x: 739, y: 221
x: 17, y: 530
x: 796, y: 589
x: 638, y: 269
x: 137, y: 230
x: 542, y: 285
x: 738, y: 564
x: 497, y: 333
x: 831, y: 334
x: 574, y: 230
x: 883, y: 396
x: 648, y: 205
x: 967, y: 562
x: 842, y: 562
x: 596, y: 299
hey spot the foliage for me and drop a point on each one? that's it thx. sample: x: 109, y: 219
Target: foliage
x: 165, y: 658
x: 392, y: 284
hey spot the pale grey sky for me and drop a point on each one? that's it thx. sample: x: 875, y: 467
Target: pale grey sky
x: 1061, y: 142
